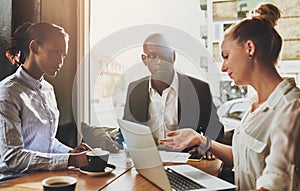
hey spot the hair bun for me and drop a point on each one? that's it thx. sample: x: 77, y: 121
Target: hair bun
x: 19, y: 36
x: 268, y: 12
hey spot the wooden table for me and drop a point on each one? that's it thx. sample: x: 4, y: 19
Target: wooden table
x: 122, y: 177
x: 84, y: 182
x: 33, y: 181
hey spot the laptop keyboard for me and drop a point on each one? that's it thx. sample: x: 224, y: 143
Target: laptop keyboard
x: 180, y: 183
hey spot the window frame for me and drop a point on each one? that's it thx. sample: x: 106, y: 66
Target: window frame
x: 81, y: 91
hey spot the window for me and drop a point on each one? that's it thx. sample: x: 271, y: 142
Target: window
x: 238, y: 110
x: 115, y: 33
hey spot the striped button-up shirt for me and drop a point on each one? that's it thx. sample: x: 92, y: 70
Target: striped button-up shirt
x: 28, y: 125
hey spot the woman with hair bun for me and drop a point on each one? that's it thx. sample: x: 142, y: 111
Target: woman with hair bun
x: 264, y: 149
x: 12, y: 51
x: 28, y: 108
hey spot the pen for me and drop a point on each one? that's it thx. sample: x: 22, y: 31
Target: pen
x: 108, y: 135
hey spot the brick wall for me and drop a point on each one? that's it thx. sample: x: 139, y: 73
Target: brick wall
x: 288, y: 25
x: 225, y: 10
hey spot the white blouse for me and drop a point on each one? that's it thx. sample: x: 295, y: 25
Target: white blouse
x: 265, y: 144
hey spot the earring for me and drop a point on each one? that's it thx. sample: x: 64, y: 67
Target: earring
x: 250, y: 56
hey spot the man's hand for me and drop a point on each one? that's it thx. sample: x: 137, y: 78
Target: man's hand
x: 181, y: 139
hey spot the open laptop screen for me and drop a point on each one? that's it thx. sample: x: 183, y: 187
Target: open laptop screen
x: 144, y: 153
x: 147, y: 161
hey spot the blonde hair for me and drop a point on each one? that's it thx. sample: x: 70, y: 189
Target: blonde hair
x: 259, y: 27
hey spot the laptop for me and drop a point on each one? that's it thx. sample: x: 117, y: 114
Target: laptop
x: 147, y: 161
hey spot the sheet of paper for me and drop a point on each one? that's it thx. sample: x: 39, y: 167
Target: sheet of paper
x: 175, y: 157
x: 120, y: 159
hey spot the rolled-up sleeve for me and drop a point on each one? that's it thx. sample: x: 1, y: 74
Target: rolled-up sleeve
x: 280, y: 164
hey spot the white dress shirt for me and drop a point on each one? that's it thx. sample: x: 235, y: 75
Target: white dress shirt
x: 163, y: 109
x: 28, y: 125
x: 265, y: 144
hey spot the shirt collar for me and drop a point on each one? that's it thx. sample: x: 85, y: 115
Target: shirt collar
x: 282, y: 88
x: 29, y: 80
x: 174, y: 85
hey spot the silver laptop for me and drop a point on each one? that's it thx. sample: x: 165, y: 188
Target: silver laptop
x: 147, y: 161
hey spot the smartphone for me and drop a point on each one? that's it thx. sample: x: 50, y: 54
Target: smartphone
x: 195, y: 157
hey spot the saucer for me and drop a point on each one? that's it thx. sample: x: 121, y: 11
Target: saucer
x: 109, y: 168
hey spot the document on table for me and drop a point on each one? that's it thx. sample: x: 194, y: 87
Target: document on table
x: 120, y: 159
x: 175, y: 157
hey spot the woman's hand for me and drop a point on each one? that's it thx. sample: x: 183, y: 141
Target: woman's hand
x: 77, y: 159
x: 80, y: 148
x: 208, y: 155
x: 261, y: 189
x: 181, y: 139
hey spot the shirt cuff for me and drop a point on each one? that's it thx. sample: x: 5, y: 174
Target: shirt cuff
x: 59, y: 161
x: 274, y: 182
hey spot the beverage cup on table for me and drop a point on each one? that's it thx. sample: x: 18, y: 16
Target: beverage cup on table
x: 59, y: 183
x: 97, y: 160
